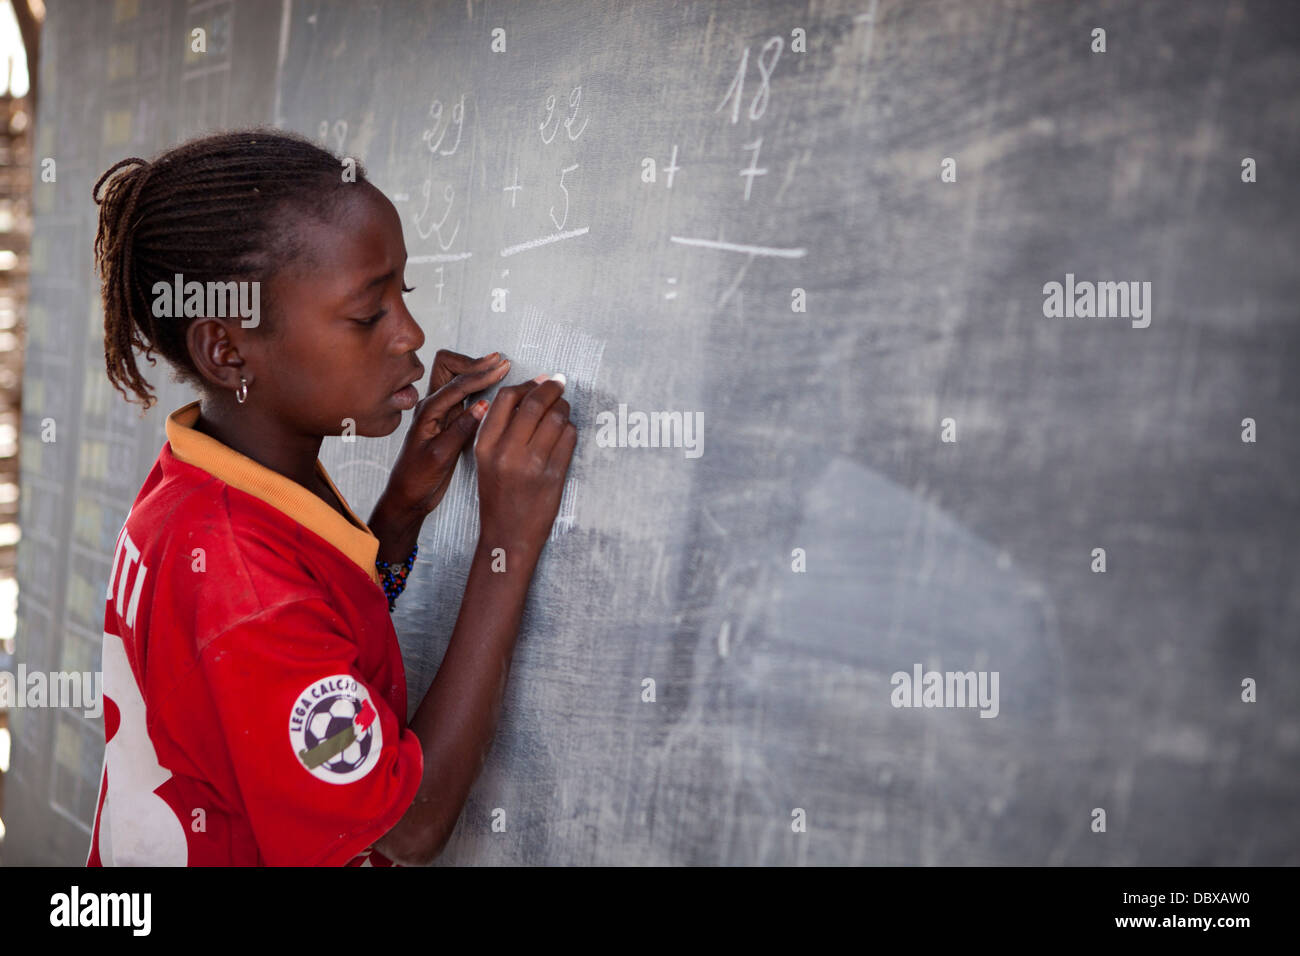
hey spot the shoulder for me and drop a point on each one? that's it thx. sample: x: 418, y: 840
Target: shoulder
x: 220, y: 555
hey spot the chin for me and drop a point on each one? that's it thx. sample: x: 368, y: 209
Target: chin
x: 395, y: 415
x: 382, y: 425
x: 377, y: 425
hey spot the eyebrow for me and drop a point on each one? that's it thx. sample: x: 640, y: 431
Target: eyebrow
x: 377, y: 280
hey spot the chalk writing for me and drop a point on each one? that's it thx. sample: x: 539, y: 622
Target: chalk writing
x: 753, y: 169
x: 559, y: 223
x: 575, y: 105
x: 434, y: 136
x: 512, y: 190
x: 767, y: 58
x: 340, y: 130
x: 449, y: 194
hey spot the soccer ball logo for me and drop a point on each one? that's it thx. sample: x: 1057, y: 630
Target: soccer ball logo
x: 331, y: 720
x: 335, y: 730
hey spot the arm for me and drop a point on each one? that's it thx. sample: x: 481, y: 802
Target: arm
x: 523, y: 453
x: 397, y: 529
x: 457, y: 719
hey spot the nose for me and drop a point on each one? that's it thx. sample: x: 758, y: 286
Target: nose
x: 410, y: 337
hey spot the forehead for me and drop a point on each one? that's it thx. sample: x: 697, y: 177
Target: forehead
x: 360, y: 240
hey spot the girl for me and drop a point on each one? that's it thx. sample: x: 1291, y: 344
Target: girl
x: 255, y: 700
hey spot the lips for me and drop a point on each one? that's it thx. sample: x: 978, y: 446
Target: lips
x: 405, y: 398
x: 409, y: 381
x: 406, y: 395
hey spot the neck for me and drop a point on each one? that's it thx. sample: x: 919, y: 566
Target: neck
x: 264, y: 439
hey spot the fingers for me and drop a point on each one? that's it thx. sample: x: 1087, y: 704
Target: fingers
x: 448, y: 364
x: 455, y: 413
x: 499, y: 414
x: 562, y: 452
x: 516, y: 410
x: 532, y: 408
x: 549, y: 428
x: 459, y: 432
x: 451, y: 395
x: 455, y: 362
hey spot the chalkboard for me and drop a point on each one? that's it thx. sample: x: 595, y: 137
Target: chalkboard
x: 825, y: 236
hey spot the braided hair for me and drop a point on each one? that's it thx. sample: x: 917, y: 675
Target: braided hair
x: 217, y: 208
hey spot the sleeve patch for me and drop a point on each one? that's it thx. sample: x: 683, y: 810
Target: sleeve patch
x: 333, y: 729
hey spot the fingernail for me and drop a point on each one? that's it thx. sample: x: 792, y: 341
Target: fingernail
x: 559, y: 377
x: 479, y: 408
x: 540, y: 379
x: 492, y: 356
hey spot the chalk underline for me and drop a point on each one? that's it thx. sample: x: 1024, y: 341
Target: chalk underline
x: 439, y: 257
x: 544, y: 241
x: 781, y: 253
x: 791, y: 253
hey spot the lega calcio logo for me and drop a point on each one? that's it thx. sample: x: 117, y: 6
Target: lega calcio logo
x: 334, y: 729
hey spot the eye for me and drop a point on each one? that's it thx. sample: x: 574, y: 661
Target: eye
x: 382, y: 312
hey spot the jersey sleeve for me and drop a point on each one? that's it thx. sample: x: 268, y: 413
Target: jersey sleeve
x: 323, y: 764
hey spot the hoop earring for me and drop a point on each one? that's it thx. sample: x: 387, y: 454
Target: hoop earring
x: 241, y: 393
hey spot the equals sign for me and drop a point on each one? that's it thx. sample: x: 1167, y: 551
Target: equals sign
x: 673, y: 293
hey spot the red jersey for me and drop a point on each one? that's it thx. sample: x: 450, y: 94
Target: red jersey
x: 254, y: 694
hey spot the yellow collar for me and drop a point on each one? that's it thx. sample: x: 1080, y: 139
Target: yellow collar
x: 193, y: 447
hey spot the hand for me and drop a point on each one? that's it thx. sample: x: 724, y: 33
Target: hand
x: 441, y: 428
x: 523, y: 456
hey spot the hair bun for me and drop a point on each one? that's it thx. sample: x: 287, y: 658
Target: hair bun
x: 133, y: 161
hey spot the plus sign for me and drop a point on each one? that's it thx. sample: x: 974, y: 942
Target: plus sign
x: 513, y: 189
x: 672, y: 167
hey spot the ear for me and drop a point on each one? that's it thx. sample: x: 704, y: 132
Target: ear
x: 215, y: 353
